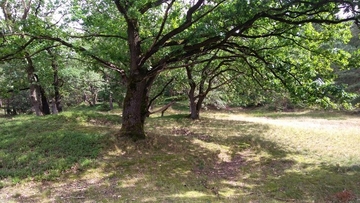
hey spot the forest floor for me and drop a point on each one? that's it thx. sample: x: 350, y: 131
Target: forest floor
x: 232, y: 156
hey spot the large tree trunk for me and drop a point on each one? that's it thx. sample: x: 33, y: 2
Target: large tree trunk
x: 135, y: 109
x: 195, y: 105
x: 194, y: 111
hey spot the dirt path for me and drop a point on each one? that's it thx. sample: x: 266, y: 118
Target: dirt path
x: 299, y: 122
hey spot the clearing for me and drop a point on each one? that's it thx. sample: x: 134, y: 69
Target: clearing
x: 223, y: 157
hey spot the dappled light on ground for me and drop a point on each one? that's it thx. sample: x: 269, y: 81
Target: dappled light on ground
x: 223, y: 151
x: 234, y: 158
x: 190, y: 194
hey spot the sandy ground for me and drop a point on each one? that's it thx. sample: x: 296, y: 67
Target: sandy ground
x: 300, y: 122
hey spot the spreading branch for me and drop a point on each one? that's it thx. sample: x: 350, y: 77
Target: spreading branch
x: 86, y: 52
x: 160, y: 93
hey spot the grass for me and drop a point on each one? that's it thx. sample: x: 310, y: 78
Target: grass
x: 77, y: 156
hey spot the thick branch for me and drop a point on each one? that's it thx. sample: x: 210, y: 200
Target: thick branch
x: 123, y: 10
x: 188, y: 22
x: 98, y: 35
x: 227, y: 81
x: 21, y: 48
x: 162, y: 24
x: 26, y: 9
x: 85, y: 51
x: 163, y: 109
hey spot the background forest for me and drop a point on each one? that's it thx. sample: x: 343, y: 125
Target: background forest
x: 64, y: 56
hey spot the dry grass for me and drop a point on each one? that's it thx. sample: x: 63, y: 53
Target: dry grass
x: 224, y: 157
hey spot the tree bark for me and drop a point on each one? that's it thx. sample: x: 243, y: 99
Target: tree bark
x: 135, y: 109
x: 195, y: 105
x: 8, y: 110
x: 34, y: 98
x: 34, y: 88
x: 195, y: 101
x: 194, y: 111
x: 94, y: 98
x: 14, y: 112
x: 57, y: 84
x: 111, y: 105
x: 53, y: 107
x: 45, y: 108
x: 57, y: 98
x: 136, y: 101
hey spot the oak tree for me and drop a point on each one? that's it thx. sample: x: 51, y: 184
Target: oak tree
x: 140, y: 39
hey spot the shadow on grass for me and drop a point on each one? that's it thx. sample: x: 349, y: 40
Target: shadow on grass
x: 181, y: 165
x: 47, y: 147
x: 199, y: 161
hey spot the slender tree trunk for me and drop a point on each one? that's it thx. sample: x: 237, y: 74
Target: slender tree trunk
x: 34, y: 88
x: 53, y: 107
x: 111, y: 105
x: 84, y: 97
x: 45, y: 108
x: 34, y: 98
x: 194, y: 112
x: 194, y: 107
x: 94, y: 98
x: 14, y: 112
x: 57, y: 100
x: 8, y: 110
x: 57, y: 84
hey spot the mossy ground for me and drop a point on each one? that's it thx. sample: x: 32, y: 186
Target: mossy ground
x: 77, y: 156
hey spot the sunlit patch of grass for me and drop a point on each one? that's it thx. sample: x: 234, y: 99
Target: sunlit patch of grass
x: 208, y: 160
x: 336, y: 146
x: 315, y: 114
x: 223, y: 151
x: 190, y: 194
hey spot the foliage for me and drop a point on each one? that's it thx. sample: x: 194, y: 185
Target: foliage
x: 278, y: 44
x: 350, y: 76
x: 80, y: 82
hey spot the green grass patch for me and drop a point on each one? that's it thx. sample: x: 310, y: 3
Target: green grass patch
x: 46, y: 147
x: 77, y: 156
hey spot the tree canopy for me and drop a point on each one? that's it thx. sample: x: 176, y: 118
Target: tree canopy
x: 275, y: 43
